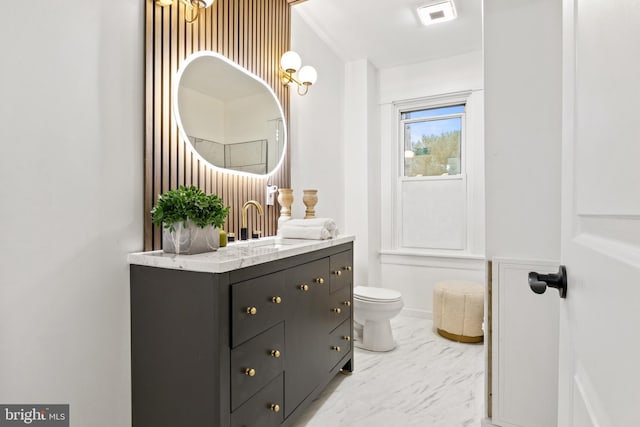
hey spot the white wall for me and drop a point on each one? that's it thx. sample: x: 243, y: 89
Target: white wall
x: 202, y: 115
x: 523, y: 84
x: 316, y: 137
x: 362, y: 180
x: 71, y: 141
x: 413, y: 272
x: 523, y: 129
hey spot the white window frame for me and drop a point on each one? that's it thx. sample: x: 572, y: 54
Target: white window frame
x: 397, y: 175
x: 401, y: 138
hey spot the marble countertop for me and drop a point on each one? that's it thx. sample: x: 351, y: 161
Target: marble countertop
x: 236, y: 255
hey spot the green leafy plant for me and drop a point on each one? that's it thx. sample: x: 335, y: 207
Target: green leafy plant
x: 189, y: 203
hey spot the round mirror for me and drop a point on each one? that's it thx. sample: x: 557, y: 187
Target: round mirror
x: 232, y: 118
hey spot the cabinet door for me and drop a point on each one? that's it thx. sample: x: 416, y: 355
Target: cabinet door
x: 304, y: 331
x: 339, y: 344
x: 255, y: 363
x: 256, y: 305
x: 264, y: 409
x: 341, y: 270
x: 337, y: 309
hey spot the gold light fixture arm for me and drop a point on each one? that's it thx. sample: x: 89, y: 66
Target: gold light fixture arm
x: 286, y: 76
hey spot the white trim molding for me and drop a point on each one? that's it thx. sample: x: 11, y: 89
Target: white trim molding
x: 434, y: 260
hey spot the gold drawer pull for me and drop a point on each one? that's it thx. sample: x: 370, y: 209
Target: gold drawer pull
x: 275, y: 353
x: 276, y: 300
x: 250, y: 372
x: 252, y: 311
x: 348, y: 268
x: 336, y: 348
x: 347, y: 303
x: 346, y: 338
x: 304, y: 287
x: 319, y: 280
x: 338, y: 273
x: 275, y: 407
x: 336, y: 310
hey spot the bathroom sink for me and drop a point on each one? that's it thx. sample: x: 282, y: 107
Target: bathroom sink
x: 266, y: 243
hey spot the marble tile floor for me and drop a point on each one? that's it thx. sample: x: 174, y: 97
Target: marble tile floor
x: 426, y: 381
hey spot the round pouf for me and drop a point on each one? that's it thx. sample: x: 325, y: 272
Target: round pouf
x: 458, y: 310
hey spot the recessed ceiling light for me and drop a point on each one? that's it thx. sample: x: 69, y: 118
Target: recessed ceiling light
x: 437, y: 12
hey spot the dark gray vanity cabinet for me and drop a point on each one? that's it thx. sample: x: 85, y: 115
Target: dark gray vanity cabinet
x: 250, y: 347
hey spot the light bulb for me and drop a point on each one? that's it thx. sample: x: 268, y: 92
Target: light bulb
x: 308, y: 75
x: 290, y: 61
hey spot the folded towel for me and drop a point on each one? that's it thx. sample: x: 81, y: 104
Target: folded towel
x: 298, y: 232
x: 327, y: 223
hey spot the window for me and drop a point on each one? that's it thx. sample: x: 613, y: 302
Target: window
x: 432, y: 141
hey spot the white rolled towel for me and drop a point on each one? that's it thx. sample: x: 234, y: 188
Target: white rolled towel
x: 317, y: 232
x: 327, y: 223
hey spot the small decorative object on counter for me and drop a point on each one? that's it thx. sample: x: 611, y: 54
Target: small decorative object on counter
x: 190, y: 220
x: 231, y: 237
x: 285, y: 198
x: 310, y: 198
x: 256, y: 234
x: 223, y: 238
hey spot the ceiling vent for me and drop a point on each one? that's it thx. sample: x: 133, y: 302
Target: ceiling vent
x: 437, y: 12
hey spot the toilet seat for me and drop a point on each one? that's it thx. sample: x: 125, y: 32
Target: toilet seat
x: 379, y: 295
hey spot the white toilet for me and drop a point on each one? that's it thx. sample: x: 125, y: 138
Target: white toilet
x: 373, y: 308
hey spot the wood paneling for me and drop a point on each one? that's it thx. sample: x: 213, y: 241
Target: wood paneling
x: 253, y: 33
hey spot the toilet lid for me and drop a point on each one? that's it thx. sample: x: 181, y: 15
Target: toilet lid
x: 369, y: 293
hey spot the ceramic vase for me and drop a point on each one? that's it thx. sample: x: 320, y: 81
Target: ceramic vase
x: 188, y: 239
x: 310, y: 198
x: 285, y: 199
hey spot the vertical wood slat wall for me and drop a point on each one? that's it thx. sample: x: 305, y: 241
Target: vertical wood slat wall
x: 253, y: 33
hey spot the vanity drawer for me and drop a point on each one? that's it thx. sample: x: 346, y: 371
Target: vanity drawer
x: 341, y: 270
x: 255, y: 363
x: 339, y: 343
x: 339, y: 308
x: 262, y: 410
x: 256, y: 305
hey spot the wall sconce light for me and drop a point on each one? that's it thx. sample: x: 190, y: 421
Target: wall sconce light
x: 290, y: 64
x: 191, y: 7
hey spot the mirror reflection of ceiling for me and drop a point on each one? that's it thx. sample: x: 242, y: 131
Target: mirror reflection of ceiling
x: 389, y: 33
x: 231, y: 118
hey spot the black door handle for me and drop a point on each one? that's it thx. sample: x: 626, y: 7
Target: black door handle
x: 539, y: 282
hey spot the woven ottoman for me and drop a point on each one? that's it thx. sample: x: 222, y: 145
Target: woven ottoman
x: 458, y: 310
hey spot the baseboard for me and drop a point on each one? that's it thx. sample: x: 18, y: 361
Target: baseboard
x: 420, y: 314
x: 486, y: 422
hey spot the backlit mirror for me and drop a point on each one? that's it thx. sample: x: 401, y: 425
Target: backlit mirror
x: 231, y: 118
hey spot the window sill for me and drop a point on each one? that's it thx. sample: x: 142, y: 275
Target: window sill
x: 433, y: 259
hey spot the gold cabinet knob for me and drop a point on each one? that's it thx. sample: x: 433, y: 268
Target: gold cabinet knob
x: 252, y: 311
x: 347, y: 303
x: 319, y: 280
x: 348, y: 268
x: 275, y: 353
x: 275, y: 407
x: 276, y: 300
x: 346, y: 338
x: 336, y: 310
x: 304, y: 287
x: 336, y: 348
x: 338, y: 273
x: 250, y: 372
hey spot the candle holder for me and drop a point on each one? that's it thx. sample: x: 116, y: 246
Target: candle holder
x: 310, y: 198
x: 285, y: 199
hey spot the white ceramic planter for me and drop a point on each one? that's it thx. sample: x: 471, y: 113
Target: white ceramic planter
x: 190, y: 239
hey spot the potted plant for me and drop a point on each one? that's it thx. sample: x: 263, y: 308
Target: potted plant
x: 190, y: 219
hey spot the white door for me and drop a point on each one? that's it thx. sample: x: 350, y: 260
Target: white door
x: 599, y: 377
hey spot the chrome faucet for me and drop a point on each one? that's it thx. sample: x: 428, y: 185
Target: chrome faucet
x: 243, y: 228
